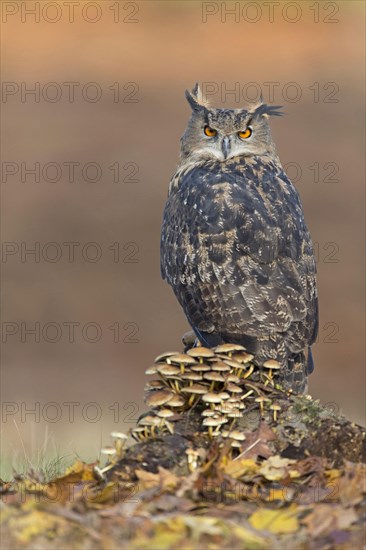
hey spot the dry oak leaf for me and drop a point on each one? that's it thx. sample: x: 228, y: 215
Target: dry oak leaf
x: 276, y: 468
x: 255, y: 443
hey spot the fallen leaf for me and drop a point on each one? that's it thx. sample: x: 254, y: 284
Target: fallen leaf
x: 327, y: 517
x: 352, y: 485
x: 275, y: 521
x: 163, y: 479
x: 255, y: 443
x: 238, y: 468
x: 276, y: 468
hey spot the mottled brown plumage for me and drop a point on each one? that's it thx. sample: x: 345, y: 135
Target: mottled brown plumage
x: 235, y: 247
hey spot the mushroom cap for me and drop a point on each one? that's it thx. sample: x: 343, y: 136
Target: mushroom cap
x: 236, y: 400
x: 177, y: 401
x: 152, y: 370
x: 271, y: 364
x: 232, y: 378
x: 200, y: 352
x: 168, y: 370
x: 147, y: 420
x: 211, y: 397
x: 108, y: 451
x: 243, y: 357
x: 214, y: 421
x: 220, y: 366
x: 213, y: 376
x: 208, y: 412
x: 235, y: 414
x: 154, y: 385
x: 261, y: 399
x: 200, y: 367
x: 234, y: 364
x: 190, y: 376
x: 234, y: 434
x: 198, y: 389
x: 233, y: 388
x: 225, y: 408
x: 165, y: 413
x: 159, y: 397
x: 275, y: 407
x: 118, y: 435
x: 227, y: 348
x: 165, y: 355
x: 182, y: 359
x: 224, y: 395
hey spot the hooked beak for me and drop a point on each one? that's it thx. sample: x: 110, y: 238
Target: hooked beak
x: 225, y: 146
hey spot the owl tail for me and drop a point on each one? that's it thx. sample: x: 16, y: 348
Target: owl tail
x: 311, y: 365
x: 295, y: 374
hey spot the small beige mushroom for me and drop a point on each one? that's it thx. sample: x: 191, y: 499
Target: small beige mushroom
x: 200, y: 368
x: 177, y: 401
x: 200, y: 353
x: 234, y: 364
x: 139, y: 433
x: 243, y: 357
x: 261, y: 399
x: 271, y: 365
x: 275, y: 408
x: 109, y: 451
x: 164, y: 356
x: 191, y: 376
x: 234, y: 434
x: 154, y: 385
x: 233, y: 388
x: 194, y: 390
x: 147, y: 420
x: 212, y: 398
x: 198, y: 389
x: 152, y: 370
x: 158, y: 398
x: 168, y: 370
x: 213, y: 377
x: 119, y: 435
x: 232, y: 378
x: 228, y: 348
x: 165, y: 413
x: 208, y: 412
x: 220, y: 366
x: 182, y: 360
x: 213, y: 422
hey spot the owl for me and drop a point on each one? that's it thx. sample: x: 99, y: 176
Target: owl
x: 234, y: 244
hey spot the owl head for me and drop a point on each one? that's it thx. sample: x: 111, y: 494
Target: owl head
x: 221, y: 134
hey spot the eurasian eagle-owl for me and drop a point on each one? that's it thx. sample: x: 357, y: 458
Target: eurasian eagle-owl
x: 234, y: 244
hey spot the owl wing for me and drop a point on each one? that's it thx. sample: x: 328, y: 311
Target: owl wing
x: 238, y: 255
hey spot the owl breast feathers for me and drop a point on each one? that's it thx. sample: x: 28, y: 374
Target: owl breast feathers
x: 239, y: 257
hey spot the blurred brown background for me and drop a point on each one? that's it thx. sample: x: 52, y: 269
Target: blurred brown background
x: 153, y: 51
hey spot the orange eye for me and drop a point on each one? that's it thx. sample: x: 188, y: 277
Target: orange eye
x: 209, y: 132
x: 244, y: 135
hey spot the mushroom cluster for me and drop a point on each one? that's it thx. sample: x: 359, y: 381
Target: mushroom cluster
x: 220, y: 383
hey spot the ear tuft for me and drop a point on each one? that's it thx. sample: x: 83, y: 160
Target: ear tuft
x: 196, y: 99
x: 268, y: 110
